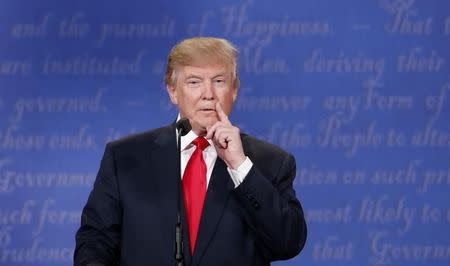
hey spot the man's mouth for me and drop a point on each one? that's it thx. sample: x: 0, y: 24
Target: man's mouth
x: 207, y: 109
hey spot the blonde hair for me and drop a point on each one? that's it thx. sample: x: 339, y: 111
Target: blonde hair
x: 201, y: 50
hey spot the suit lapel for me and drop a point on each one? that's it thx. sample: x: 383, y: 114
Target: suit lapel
x: 165, y: 169
x: 216, y: 199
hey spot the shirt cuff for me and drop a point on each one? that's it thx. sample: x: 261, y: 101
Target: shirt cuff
x: 238, y: 175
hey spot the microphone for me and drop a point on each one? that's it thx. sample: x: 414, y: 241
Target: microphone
x: 183, y: 127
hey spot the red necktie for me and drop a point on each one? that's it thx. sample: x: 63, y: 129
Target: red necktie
x: 194, y: 189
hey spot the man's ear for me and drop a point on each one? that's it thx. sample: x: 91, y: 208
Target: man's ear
x: 235, y: 91
x: 172, y: 93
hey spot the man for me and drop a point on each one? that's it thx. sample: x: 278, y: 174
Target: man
x: 239, y: 206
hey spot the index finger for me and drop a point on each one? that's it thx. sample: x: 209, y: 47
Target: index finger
x: 222, y: 116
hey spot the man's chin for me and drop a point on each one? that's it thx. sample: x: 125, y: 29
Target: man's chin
x: 204, y: 125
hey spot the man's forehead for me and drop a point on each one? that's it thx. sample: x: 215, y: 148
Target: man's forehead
x: 202, y: 70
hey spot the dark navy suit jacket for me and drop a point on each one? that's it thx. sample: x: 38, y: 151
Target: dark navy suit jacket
x: 129, y: 218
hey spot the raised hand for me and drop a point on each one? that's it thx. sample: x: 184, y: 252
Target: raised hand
x: 226, y: 139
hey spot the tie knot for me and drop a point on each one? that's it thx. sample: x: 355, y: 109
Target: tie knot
x: 201, y: 143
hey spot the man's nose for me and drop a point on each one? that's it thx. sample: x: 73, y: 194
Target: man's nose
x: 208, y: 91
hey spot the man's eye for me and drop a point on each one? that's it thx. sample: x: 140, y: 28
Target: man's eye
x: 193, y: 82
x: 220, y: 80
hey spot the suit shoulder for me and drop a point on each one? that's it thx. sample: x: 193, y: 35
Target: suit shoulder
x: 267, y: 157
x: 139, y: 139
x: 258, y: 147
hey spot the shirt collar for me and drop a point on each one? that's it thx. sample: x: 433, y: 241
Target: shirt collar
x: 187, y: 139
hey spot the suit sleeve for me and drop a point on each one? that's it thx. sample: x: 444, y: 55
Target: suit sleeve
x: 98, y: 238
x: 273, y: 212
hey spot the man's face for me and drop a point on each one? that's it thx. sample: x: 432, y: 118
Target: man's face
x: 198, y: 89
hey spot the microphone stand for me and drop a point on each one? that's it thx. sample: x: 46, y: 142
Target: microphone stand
x: 183, y: 127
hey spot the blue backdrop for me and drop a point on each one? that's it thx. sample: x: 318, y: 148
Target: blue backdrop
x: 358, y: 91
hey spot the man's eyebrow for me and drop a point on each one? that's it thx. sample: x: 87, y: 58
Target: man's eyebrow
x: 220, y: 75
x: 193, y: 76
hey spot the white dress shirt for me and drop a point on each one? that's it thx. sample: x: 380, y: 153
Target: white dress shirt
x: 210, y: 155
